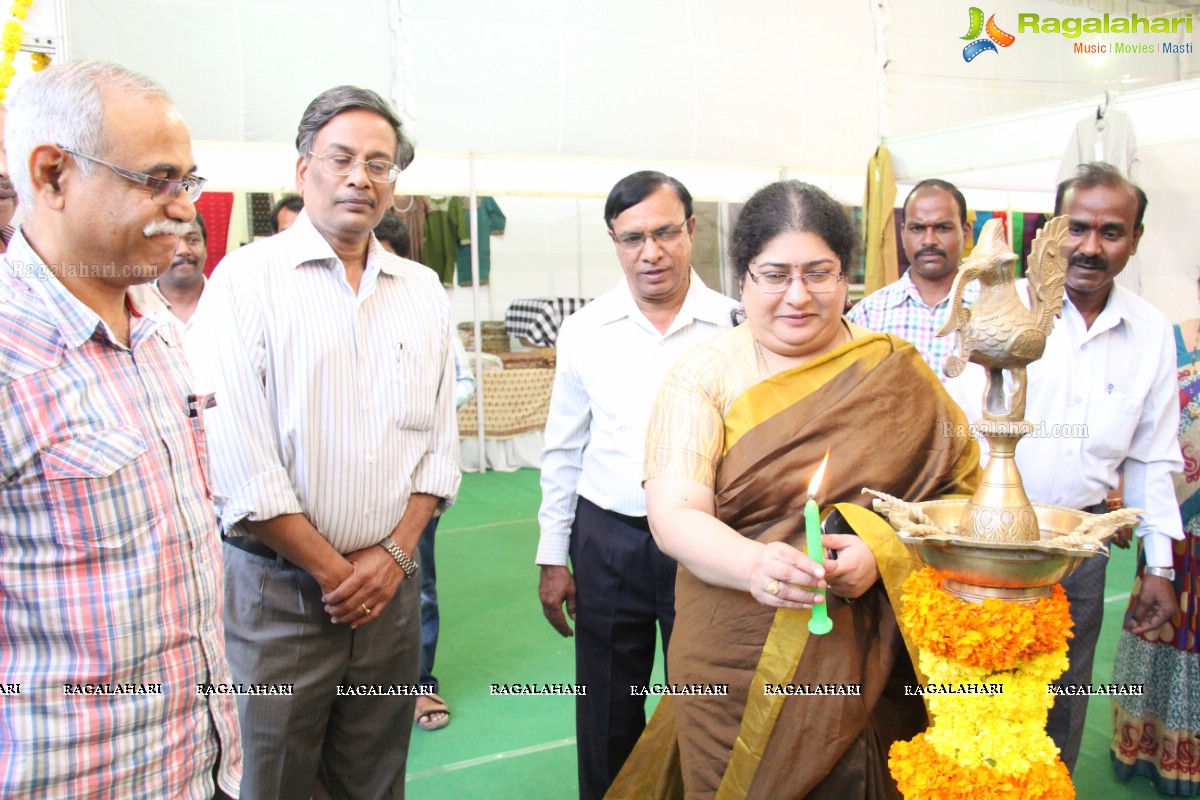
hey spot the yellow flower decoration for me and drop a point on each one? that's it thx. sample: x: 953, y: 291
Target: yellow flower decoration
x: 10, y: 43
x: 988, y: 742
x: 922, y: 773
x: 995, y: 634
x: 40, y: 61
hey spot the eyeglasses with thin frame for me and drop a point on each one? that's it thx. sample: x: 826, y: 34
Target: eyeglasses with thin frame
x: 342, y: 164
x: 632, y: 242
x: 162, y: 190
x: 776, y: 282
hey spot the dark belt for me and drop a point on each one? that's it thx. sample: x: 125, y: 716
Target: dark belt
x: 251, y: 545
x: 1099, y: 508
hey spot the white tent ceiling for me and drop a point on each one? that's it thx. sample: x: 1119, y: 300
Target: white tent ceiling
x: 794, y: 85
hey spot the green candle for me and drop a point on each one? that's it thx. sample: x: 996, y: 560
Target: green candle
x: 820, y: 622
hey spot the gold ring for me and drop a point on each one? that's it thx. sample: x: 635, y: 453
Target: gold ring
x: 772, y: 587
x: 366, y: 610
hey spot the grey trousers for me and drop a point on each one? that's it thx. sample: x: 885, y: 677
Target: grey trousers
x: 316, y: 743
x: 1085, y: 591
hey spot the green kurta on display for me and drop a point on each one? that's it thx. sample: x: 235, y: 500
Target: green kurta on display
x: 444, y: 227
x: 491, y: 221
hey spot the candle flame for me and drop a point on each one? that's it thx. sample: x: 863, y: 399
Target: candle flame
x: 815, y: 483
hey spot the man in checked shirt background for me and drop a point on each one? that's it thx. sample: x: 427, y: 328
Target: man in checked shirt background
x: 916, y: 306
x: 110, y: 565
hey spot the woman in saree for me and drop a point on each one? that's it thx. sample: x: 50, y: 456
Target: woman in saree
x: 1157, y: 734
x: 738, y: 429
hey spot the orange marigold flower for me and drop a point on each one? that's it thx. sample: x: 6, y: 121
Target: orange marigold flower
x: 921, y: 773
x: 996, y: 634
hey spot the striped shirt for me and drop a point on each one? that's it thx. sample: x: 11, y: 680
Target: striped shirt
x: 110, y: 561
x: 609, y: 365
x: 331, y: 404
x: 899, y: 310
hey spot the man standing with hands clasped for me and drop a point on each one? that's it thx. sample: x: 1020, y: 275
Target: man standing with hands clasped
x: 333, y: 442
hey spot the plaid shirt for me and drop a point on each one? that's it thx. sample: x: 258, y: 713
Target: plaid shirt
x: 110, y: 565
x: 898, y: 309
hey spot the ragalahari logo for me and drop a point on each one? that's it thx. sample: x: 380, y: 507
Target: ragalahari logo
x: 995, y: 36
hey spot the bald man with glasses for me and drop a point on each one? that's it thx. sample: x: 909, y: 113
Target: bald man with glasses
x: 612, y: 356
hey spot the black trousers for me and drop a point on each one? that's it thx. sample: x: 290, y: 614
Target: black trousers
x: 624, y: 588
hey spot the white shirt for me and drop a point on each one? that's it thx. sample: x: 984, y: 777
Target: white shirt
x: 609, y: 365
x: 1117, y: 379
x: 330, y: 404
x: 183, y: 330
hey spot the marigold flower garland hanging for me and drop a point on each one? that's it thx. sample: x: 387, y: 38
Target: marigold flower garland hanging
x: 990, y: 743
x: 10, y: 43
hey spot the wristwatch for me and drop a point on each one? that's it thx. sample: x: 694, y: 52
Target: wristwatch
x: 1161, y: 572
x: 397, y: 552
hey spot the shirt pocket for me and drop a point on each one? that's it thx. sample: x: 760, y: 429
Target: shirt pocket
x: 1111, y: 425
x: 101, y: 491
x: 415, y: 386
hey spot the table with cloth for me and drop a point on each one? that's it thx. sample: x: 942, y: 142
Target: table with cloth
x: 537, y: 319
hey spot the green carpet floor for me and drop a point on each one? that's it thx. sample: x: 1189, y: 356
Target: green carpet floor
x: 493, y: 631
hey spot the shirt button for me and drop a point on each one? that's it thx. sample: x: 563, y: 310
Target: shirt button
x: 1076, y: 401
x: 1084, y: 347
x: 1070, y: 452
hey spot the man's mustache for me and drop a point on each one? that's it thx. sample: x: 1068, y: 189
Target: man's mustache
x: 167, y: 226
x: 930, y: 251
x: 1088, y: 261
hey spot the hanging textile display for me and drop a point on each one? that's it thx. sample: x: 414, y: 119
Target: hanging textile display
x: 217, y: 210
x: 879, y: 232
x: 491, y: 223
x: 413, y: 210
x: 443, y: 229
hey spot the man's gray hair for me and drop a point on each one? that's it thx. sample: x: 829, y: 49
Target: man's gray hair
x: 330, y: 103
x: 63, y: 105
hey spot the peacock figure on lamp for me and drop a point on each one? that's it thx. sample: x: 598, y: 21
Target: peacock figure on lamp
x: 1000, y: 332
x: 994, y: 547
x: 998, y: 544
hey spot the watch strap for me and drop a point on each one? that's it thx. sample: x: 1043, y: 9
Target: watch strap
x: 397, y: 552
x: 1161, y: 572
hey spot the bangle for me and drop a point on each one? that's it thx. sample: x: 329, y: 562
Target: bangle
x: 397, y: 552
x: 1114, y: 503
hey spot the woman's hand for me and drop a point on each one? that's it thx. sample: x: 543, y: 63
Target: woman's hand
x: 855, y: 569
x: 783, y: 577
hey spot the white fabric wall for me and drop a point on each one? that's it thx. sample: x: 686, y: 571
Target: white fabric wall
x: 981, y: 159
x: 727, y: 96
x: 930, y: 86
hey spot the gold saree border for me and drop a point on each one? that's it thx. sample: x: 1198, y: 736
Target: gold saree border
x: 773, y: 395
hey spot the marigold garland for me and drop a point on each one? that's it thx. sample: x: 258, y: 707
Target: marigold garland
x: 10, y: 43
x: 922, y: 772
x: 997, y: 634
x: 989, y: 743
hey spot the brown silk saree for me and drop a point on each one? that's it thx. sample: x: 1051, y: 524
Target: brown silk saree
x: 889, y: 425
